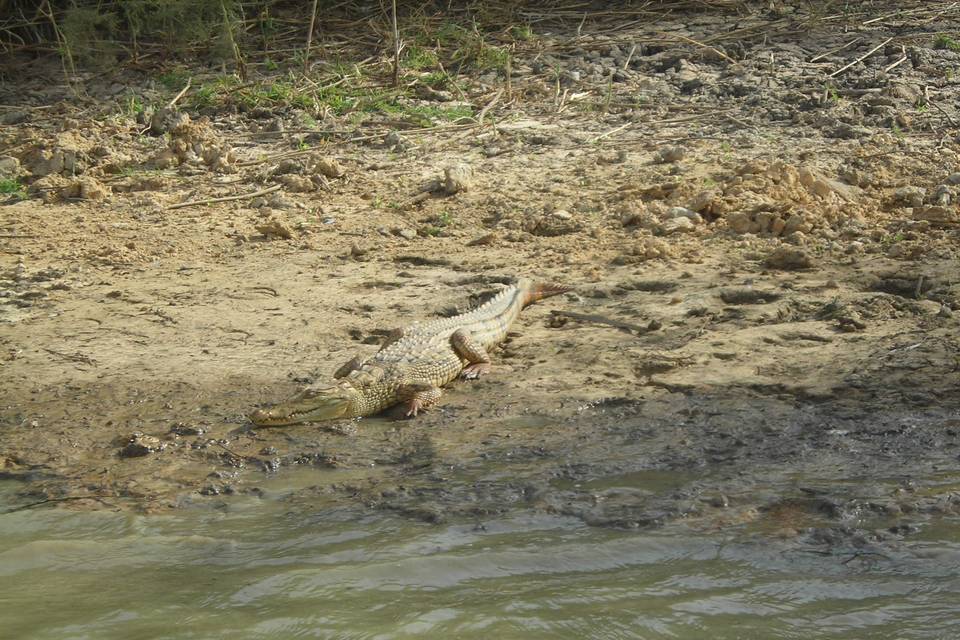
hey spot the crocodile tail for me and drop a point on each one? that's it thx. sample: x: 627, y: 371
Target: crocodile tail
x: 540, y: 290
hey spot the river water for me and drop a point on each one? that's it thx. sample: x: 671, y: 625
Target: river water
x: 283, y: 566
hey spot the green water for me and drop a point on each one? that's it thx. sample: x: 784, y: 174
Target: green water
x: 280, y: 566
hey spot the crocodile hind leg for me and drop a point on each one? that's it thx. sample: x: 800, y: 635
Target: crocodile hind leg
x: 473, y: 352
x: 422, y: 396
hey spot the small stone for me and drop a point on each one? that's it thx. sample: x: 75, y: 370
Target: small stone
x: 457, y: 178
x: 953, y: 178
x: 789, y: 259
x: 407, y: 234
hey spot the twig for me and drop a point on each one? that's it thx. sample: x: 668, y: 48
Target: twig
x: 626, y: 63
x: 894, y: 65
x: 832, y: 51
x: 396, y: 45
x: 177, y: 97
x: 242, y: 196
x: 861, y: 58
x: 490, y: 104
x: 941, y: 110
x: 611, y: 132
x: 14, y: 236
x: 306, y: 54
x: 700, y: 44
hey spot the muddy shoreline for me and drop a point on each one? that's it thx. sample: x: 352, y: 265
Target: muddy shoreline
x: 762, y: 333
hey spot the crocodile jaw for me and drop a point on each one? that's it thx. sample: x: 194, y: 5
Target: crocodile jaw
x: 313, y: 404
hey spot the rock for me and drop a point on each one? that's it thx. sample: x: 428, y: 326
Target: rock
x: 797, y: 222
x: 678, y: 225
x: 789, y: 259
x: 824, y: 187
x: 937, y: 214
x: 763, y: 221
x: 84, y: 188
x: 705, y: 202
x: 60, y: 161
x: 740, y: 222
x: 9, y: 167
x: 407, y: 234
x: 275, y: 228
x: 670, y: 154
x: 634, y: 214
x: 953, y: 178
x: 850, y: 321
x: 909, y: 196
x: 14, y: 117
x: 683, y: 212
x: 329, y: 168
x: 457, y: 178
x: 943, y: 196
x: 139, y: 445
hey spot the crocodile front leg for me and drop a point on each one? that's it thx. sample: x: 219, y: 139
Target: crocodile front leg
x: 349, y: 366
x: 421, y: 396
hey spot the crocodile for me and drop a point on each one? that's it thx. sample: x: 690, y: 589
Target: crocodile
x: 413, y: 363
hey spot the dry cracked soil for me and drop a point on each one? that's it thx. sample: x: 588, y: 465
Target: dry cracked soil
x: 763, y: 247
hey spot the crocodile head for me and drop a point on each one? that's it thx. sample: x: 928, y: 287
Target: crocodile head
x: 313, y: 404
